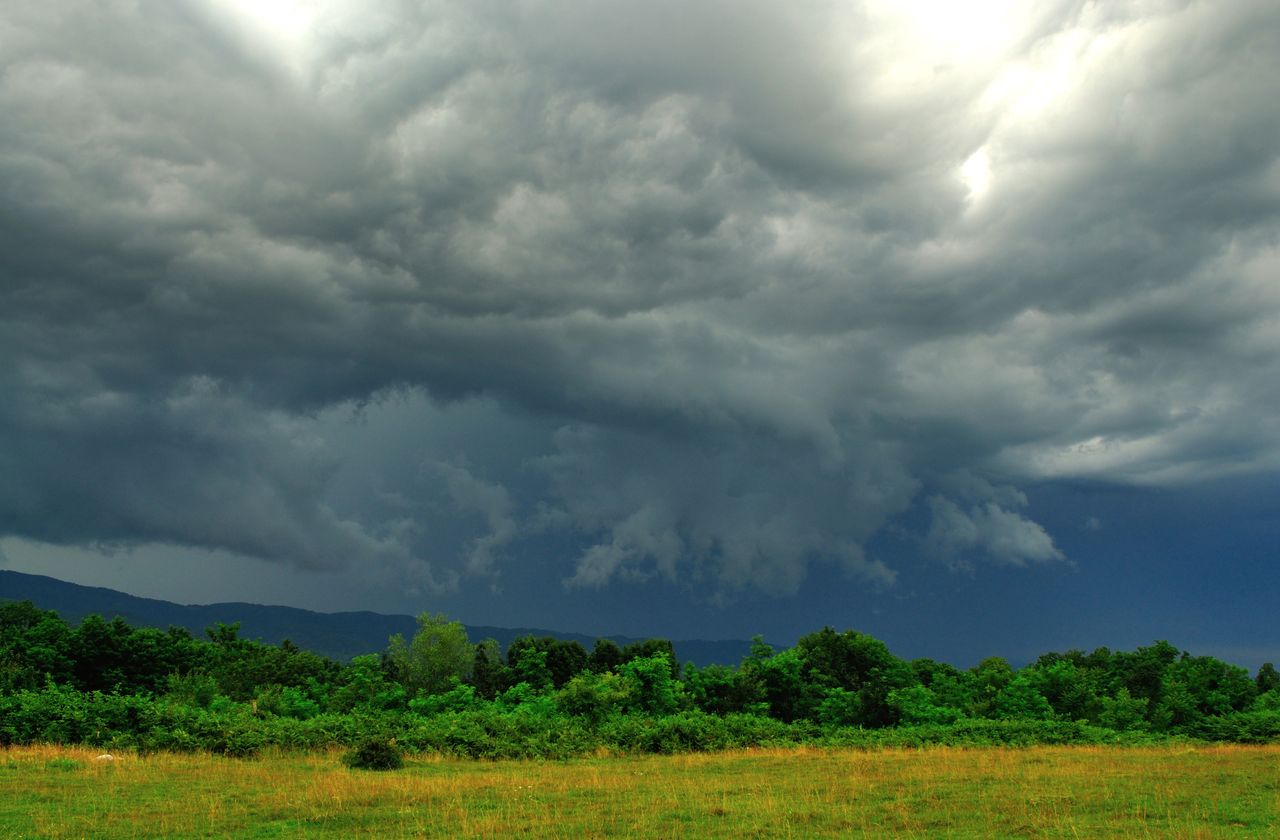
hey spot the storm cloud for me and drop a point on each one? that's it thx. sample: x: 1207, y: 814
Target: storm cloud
x: 711, y: 292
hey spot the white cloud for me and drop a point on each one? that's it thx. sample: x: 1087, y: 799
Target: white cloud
x: 1005, y: 536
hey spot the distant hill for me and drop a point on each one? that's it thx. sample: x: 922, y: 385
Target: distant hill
x: 338, y: 635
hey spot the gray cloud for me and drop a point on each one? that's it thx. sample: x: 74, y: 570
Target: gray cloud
x: 199, y: 468
x: 490, y: 501
x: 742, y: 510
x: 728, y: 287
x: 1004, y: 535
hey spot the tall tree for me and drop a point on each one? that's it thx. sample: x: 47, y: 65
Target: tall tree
x: 605, y: 656
x: 488, y: 673
x: 1268, y: 679
x: 564, y: 659
x: 439, y: 653
x: 650, y: 648
x: 858, y: 664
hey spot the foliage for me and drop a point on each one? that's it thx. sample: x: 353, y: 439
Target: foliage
x: 1267, y: 679
x: 1123, y: 712
x: 594, y: 696
x: 530, y: 668
x: 106, y: 684
x: 721, y: 690
x: 375, y: 754
x: 366, y: 684
x: 489, y: 674
x: 857, y: 664
x: 651, y: 687
x: 548, y: 661
x: 917, y: 704
x: 1019, y: 699
x: 194, y: 689
x: 605, y: 656
x: 778, y: 679
x: 459, y: 698
x: 438, y: 653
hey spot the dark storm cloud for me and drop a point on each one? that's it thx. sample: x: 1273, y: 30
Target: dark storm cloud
x: 739, y: 283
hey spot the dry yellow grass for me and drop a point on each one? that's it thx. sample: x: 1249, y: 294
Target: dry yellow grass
x: 1185, y: 792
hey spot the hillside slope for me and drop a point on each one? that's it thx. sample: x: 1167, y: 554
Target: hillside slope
x: 339, y: 635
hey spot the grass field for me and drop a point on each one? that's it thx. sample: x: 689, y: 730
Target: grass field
x: 1229, y: 791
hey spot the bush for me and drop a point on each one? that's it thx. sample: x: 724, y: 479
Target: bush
x: 375, y: 754
x: 1260, y: 727
x: 459, y: 698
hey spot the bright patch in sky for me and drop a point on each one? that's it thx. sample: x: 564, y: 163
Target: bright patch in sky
x: 956, y: 31
x: 976, y: 174
x: 286, y: 19
x: 281, y: 26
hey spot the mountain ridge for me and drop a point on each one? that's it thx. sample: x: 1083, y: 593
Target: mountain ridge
x: 340, y: 635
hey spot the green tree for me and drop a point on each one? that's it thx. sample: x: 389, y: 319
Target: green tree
x: 1198, y: 687
x: 1019, y: 699
x: 488, y: 673
x: 986, y: 680
x: 150, y: 655
x: 99, y: 647
x: 722, y: 690
x: 917, y: 704
x: 593, y: 696
x: 1068, y: 689
x: 1268, y: 679
x: 1123, y: 712
x: 778, y: 678
x: 653, y: 647
x: 1142, y: 672
x: 363, y: 683
x: 439, y: 653
x: 531, y: 668
x: 856, y: 663
x: 243, y: 666
x: 460, y: 698
x: 605, y: 656
x: 34, y: 644
x: 948, y: 686
x: 564, y: 659
x: 650, y: 686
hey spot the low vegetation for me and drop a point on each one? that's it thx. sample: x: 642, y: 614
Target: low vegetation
x: 375, y: 754
x: 1166, y: 791
x: 112, y: 686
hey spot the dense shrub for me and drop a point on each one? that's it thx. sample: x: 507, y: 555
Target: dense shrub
x: 106, y: 684
x: 1252, y: 727
x: 375, y: 754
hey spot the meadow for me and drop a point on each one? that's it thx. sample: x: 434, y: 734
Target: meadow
x: 1184, y: 791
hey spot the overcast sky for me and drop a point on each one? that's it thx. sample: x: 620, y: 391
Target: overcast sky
x: 958, y: 323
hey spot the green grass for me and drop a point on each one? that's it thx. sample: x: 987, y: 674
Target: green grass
x: 1191, y: 792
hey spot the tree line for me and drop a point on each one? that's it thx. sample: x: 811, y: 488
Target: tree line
x: 107, y: 682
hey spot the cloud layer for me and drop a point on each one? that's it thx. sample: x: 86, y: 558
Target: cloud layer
x: 720, y: 291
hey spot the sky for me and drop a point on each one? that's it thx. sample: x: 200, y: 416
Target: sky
x: 957, y: 324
